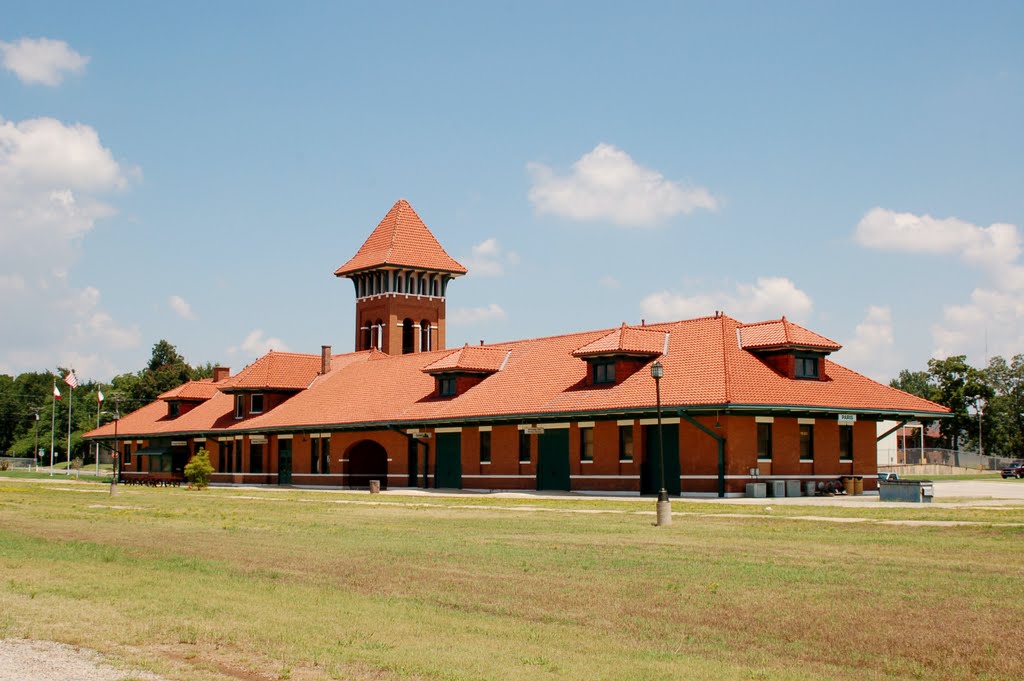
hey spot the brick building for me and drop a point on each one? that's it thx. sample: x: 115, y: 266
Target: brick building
x: 575, y: 411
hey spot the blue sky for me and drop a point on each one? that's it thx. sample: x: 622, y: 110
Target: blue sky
x: 196, y: 171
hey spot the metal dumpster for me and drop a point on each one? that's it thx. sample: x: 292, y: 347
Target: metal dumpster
x: 915, y: 491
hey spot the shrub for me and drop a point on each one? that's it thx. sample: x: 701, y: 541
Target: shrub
x: 198, y: 470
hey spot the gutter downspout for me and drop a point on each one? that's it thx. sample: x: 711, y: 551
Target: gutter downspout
x: 426, y: 452
x: 721, y: 449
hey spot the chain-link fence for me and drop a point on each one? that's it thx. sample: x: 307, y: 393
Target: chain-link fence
x: 950, y: 457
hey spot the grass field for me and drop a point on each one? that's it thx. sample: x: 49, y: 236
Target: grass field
x: 254, y: 584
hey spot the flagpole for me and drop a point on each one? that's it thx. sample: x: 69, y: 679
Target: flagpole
x: 99, y: 403
x: 53, y: 423
x: 71, y: 398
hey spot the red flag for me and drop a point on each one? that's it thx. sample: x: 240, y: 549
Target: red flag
x: 56, y: 393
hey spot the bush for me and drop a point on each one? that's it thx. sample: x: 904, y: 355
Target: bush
x: 199, y: 470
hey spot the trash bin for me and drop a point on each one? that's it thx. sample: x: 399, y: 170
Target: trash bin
x: 375, y: 487
x: 848, y: 484
x: 858, y: 484
x: 810, y: 488
x: 913, y: 491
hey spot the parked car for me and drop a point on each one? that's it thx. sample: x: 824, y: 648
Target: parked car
x: 888, y: 477
x: 1014, y: 470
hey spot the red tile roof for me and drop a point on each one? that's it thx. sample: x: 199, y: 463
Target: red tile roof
x: 275, y: 371
x: 474, y: 358
x: 626, y: 340
x: 705, y: 367
x: 401, y: 239
x: 782, y: 333
x: 193, y: 391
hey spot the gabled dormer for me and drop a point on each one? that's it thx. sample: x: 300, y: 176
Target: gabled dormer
x: 788, y: 348
x: 459, y: 371
x: 272, y: 379
x: 187, y: 396
x: 618, y: 355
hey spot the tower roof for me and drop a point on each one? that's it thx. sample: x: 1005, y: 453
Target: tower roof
x: 401, y: 239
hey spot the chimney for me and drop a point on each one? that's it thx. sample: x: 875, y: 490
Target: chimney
x: 220, y: 374
x: 325, y: 359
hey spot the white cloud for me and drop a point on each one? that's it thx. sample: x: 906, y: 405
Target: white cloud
x: 488, y: 259
x: 181, y: 307
x: 606, y: 184
x: 465, y: 316
x: 256, y: 345
x: 996, y: 247
x: 608, y: 281
x: 990, y: 323
x: 769, y: 298
x: 41, y: 60
x: 50, y: 177
x: 871, y: 350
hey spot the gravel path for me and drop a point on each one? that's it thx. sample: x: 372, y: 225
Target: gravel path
x: 24, y: 660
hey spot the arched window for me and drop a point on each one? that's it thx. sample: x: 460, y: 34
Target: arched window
x: 433, y: 287
x: 423, y: 285
x: 408, y: 336
x: 367, y: 335
x: 425, y: 336
x: 409, y: 282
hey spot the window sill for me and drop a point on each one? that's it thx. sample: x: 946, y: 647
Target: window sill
x: 806, y: 460
x: 764, y: 460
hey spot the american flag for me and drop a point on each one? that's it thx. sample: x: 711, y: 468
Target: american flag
x: 71, y: 379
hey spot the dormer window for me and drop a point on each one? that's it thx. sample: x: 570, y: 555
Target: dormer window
x: 174, y: 409
x: 256, y: 403
x: 805, y: 366
x: 239, y: 406
x: 604, y: 371
x: 446, y: 386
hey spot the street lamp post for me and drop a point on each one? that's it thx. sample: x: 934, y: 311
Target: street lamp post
x: 664, y: 509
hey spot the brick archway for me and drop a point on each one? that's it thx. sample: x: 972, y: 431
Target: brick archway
x: 367, y: 460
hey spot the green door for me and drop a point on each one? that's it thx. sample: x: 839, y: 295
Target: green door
x: 553, y: 459
x: 448, y: 461
x: 284, y: 462
x: 650, y: 478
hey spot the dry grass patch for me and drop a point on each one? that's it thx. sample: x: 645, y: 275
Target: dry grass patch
x: 208, y: 585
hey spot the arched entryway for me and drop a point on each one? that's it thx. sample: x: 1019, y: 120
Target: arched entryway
x: 367, y: 460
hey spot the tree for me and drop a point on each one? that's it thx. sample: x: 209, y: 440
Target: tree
x: 916, y: 383
x: 960, y: 387
x: 164, y: 355
x: 198, y: 470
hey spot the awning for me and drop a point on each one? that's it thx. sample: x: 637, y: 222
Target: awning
x: 152, y: 451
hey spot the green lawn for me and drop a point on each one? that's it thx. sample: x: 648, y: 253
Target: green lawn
x: 254, y: 584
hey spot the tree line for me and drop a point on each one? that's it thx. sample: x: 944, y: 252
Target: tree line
x: 987, y: 404
x: 28, y: 414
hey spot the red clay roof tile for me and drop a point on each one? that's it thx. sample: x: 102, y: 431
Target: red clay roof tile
x: 470, y: 358
x: 626, y: 340
x: 781, y: 333
x: 401, y: 239
x: 704, y: 367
